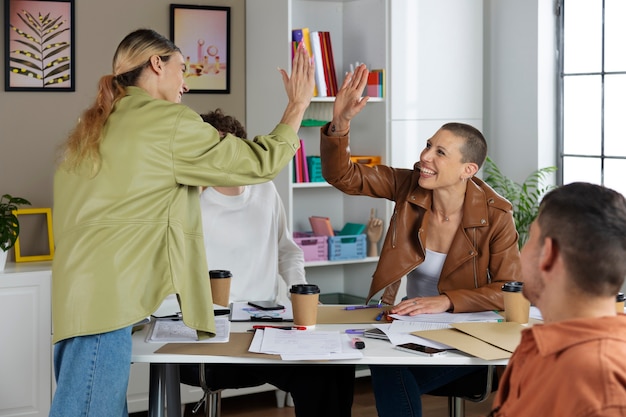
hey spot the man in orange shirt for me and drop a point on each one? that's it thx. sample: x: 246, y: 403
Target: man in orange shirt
x: 573, y: 265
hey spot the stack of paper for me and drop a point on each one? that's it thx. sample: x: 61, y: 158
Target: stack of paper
x: 407, y: 329
x: 303, y: 344
x: 175, y: 331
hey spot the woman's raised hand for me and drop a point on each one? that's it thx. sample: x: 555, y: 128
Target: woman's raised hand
x: 299, y: 87
x: 349, y: 101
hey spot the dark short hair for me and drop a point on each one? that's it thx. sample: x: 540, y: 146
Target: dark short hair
x: 587, y: 222
x: 475, y: 147
x: 225, y: 124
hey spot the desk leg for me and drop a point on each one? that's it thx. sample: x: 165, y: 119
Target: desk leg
x: 156, y: 396
x: 172, y: 389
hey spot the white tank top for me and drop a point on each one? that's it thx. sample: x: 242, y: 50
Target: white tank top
x: 423, y: 280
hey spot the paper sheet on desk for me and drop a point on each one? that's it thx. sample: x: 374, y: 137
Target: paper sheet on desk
x: 304, y: 345
x: 175, y: 331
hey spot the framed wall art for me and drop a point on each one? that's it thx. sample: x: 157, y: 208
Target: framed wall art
x: 203, y: 35
x: 33, y: 228
x: 39, y: 45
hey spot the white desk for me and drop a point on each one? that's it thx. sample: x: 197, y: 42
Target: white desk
x: 164, y: 380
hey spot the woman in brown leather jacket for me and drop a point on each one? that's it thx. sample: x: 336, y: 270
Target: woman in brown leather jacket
x: 450, y: 234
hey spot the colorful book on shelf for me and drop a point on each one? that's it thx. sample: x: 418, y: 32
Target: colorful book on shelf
x: 303, y: 162
x: 296, y: 38
x: 375, y: 83
x: 316, y: 48
x: 321, y: 226
x: 372, y: 85
x: 302, y: 35
x: 331, y: 65
x: 297, y: 164
x: 325, y: 64
x: 381, y: 82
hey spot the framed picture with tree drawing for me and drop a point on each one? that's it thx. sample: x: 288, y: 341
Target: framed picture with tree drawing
x: 39, y: 45
x: 203, y: 35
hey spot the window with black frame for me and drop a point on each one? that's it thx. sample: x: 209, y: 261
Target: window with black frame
x: 592, y: 90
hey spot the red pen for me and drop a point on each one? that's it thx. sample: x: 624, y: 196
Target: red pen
x: 255, y: 327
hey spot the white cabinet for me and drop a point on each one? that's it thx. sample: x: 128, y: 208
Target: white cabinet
x: 436, y: 71
x: 358, y: 33
x: 25, y: 340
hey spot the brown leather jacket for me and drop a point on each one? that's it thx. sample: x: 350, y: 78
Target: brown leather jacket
x: 483, y: 254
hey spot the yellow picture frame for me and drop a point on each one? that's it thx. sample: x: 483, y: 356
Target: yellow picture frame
x: 42, y: 257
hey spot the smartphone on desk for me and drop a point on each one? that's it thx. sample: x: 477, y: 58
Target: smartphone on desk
x: 266, y: 305
x: 421, y: 349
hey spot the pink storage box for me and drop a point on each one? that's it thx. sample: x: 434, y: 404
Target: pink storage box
x: 315, y: 248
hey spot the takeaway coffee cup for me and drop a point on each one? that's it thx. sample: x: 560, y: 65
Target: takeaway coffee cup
x: 304, y: 301
x: 516, y: 306
x: 220, y: 286
x: 619, y: 302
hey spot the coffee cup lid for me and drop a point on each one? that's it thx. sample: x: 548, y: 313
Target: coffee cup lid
x: 220, y: 273
x: 514, y: 286
x: 620, y: 297
x: 304, y: 289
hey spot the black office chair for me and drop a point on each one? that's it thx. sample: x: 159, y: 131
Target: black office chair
x: 196, y: 375
x: 475, y: 387
x: 212, y: 398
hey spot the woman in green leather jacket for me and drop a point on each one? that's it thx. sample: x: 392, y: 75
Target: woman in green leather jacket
x: 450, y: 234
x: 127, y: 217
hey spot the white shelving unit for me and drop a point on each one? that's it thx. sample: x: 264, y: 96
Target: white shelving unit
x: 432, y: 52
x: 359, y: 32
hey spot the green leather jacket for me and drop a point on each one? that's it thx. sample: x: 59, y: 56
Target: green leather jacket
x: 484, y: 251
x: 132, y: 234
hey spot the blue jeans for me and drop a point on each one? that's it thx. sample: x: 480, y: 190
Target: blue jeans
x: 398, y: 389
x: 92, y: 375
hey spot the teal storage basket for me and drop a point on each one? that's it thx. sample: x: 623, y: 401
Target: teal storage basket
x: 346, y: 247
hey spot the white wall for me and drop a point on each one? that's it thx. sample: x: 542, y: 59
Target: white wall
x: 520, y: 84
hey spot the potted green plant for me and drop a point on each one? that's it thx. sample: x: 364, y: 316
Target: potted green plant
x: 524, y: 197
x: 9, y: 224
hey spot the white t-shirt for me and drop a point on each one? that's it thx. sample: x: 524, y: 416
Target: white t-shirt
x: 248, y: 235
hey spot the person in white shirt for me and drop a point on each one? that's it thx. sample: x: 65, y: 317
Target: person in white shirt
x: 259, y: 216
x: 245, y: 231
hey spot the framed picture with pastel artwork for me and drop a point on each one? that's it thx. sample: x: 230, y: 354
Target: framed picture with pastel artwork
x: 203, y: 35
x: 39, y: 45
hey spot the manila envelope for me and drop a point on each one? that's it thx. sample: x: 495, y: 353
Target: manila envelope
x: 337, y: 314
x: 465, y: 343
x: 505, y: 335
